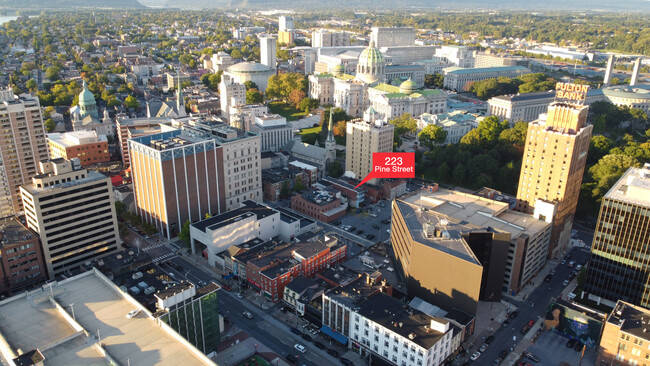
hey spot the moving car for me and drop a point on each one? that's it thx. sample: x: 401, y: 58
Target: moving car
x: 475, y: 356
x: 531, y: 357
x: 300, y: 348
x: 248, y: 314
x: 514, y: 314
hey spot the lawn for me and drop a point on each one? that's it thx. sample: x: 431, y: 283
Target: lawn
x: 287, y: 111
x: 258, y: 361
x: 307, y: 131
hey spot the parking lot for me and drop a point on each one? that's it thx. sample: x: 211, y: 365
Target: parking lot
x: 552, y: 351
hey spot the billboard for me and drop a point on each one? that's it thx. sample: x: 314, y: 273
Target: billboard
x: 574, y: 322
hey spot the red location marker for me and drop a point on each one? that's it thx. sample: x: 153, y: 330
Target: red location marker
x: 391, y: 165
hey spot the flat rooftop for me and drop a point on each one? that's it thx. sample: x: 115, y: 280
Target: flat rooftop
x: 249, y: 209
x: 633, y: 187
x: 631, y: 319
x: 477, y: 212
x: 31, y: 320
x: 13, y: 232
x: 405, y: 321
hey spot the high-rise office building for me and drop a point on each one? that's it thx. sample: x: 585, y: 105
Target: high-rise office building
x: 23, y: 144
x: 285, y: 23
x: 201, y: 168
x: 268, y: 55
x: 176, y: 178
x: 618, y: 269
x: 192, y: 312
x: 365, y: 137
x: 392, y: 36
x: 73, y: 212
x: 554, y: 162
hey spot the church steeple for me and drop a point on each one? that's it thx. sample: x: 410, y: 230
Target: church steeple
x: 330, y: 142
x: 330, y: 129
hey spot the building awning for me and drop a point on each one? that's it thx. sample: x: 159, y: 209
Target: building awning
x: 336, y: 335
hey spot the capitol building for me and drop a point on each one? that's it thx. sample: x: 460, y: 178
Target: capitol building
x: 371, y: 87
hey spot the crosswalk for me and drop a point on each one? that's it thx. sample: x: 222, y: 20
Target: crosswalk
x: 152, y: 247
x: 164, y: 257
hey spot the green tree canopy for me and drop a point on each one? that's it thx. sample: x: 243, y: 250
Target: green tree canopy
x: 254, y: 96
x: 432, y: 135
x: 404, y: 124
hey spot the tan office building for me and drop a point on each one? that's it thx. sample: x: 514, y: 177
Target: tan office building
x: 22, y: 145
x: 73, y: 212
x: 365, y: 137
x: 552, y: 167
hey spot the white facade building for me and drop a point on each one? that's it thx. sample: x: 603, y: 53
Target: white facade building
x: 457, y: 124
x: 273, y: 130
x: 285, y: 23
x: 520, y: 107
x: 460, y: 56
x: 232, y: 94
x: 250, y: 71
x: 384, y: 327
x: 268, y: 55
x: 392, y: 36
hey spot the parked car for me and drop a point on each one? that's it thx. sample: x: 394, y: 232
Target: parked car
x: 548, y: 278
x: 375, y: 226
x: 306, y: 337
x: 333, y: 352
x: 226, y: 287
x: 292, y: 359
x: 489, y: 340
x: 503, y: 354
x: 336, y: 223
x: 497, y: 361
x: 514, y: 314
x: 525, y: 329
x: 346, y: 362
x: 565, y: 283
x: 359, y: 232
x: 300, y: 348
x: 505, y: 323
x: 578, y: 346
x: 475, y: 356
x: 239, y: 296
x: 132, y: 313
x: 484, y: 346
x: 531, y: 357
x: 570, y: 343
x: 296, y: 331
x: 319, y: 345
x: 358, y: 210
x: 531, y: 323
x: 248, y: 314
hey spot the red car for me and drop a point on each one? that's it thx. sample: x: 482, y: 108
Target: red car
x: 531, y: 323
x: 226, y: 287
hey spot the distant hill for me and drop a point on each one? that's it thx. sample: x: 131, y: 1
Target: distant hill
x: 66, y: 4
x: 547, y: 5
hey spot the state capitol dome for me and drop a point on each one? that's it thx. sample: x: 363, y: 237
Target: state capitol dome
x: 371, y: 66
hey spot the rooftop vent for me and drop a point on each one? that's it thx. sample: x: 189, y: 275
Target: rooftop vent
x: 411, y: 336
x: 429, y: 230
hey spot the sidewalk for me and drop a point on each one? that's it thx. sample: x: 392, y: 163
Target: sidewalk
x: 490, y: 319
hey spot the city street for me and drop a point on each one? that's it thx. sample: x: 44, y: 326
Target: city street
x: 533, y: 308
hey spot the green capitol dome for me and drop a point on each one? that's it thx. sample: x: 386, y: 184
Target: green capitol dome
x: 371, y: 66
x: 408, y: 87
x: 87, y: 104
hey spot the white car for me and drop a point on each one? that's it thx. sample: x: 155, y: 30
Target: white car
x: 239, y: 296
x: 300, y: 348
x: 484, y: 346
x: 132, y: 313
x: 475, y: 356
x: 565, y: 283
x: 248, y: 314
